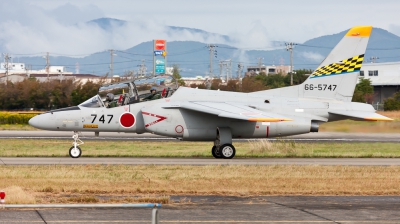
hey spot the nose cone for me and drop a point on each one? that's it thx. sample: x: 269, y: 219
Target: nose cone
x: 41, y: 121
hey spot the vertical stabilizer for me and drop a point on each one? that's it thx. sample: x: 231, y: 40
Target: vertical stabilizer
x: 336, y: 76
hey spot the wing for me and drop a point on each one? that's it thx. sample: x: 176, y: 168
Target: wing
x: 361, y: 115
x: 230, y: 110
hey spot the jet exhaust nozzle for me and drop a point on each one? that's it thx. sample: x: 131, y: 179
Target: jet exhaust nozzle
x: 314, y: 126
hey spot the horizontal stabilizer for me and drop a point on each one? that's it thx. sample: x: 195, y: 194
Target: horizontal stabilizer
x: 230, y: 110
x: 361, y: 115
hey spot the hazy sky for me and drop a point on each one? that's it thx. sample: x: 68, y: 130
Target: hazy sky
x: 28, y: 26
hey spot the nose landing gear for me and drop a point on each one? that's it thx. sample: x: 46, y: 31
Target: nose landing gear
x: 75, y: 151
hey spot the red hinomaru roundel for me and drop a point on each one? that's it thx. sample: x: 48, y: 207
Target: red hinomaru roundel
x: 127, y: 120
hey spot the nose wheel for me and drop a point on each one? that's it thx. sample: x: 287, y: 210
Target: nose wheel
x: 75, y: 151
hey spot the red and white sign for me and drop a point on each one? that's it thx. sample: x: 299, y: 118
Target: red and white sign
x: 2, y: 196
x: 159, y: 45
x: 127, y: 120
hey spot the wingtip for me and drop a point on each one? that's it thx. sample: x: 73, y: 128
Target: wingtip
x: 378, y: 119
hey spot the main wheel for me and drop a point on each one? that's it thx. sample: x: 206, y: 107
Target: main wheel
x: 227, y: 151
x: 216, y: 154
x: 75, y: 152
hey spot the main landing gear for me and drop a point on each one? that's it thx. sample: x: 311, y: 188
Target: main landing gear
x: 223, y: 148
x: 75, y: 151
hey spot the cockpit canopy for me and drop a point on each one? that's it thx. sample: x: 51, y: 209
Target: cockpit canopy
x: 132, y: 91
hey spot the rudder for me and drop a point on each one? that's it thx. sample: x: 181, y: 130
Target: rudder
x: 336, y: 76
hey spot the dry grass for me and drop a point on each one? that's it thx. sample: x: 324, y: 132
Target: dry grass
x: 99, y: 183
x: 16, y: 195
x: 392, y: 114
x: 365, y: 126
x: 279, y: 147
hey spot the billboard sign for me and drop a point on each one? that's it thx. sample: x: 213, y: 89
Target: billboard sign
x: 158, y: 53
x: 159, y: 45
x: 160, y: 66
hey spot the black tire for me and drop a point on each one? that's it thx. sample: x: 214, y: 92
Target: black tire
x: 214, y: 152
x: 227, y: 151
x: 75, y: 153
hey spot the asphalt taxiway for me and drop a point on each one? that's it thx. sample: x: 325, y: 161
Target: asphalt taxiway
x: 217, y: 209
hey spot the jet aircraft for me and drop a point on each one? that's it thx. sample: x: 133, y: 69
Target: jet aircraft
x: 220, y: 116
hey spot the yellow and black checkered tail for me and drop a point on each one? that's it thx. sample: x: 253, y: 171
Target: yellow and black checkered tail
x: 345, y: 66
x: 336, y: 76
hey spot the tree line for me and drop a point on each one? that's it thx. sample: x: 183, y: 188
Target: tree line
x: 53, y: 94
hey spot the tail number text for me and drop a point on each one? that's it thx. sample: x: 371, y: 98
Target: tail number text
x: 320, y: 87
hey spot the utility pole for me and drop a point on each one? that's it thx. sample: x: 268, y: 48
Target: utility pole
x: 220, y: 68
x: 142, y: 69
x: 77, y: 68
x: 27, y: 69
x: 239, y: 71
x: 112, y: 62
x: 47, y: 57
x: 373, y: 59
x: 228, y: 69
x: 240, y: 68
x: 289, y: 47
x: 212, y: 52
x: 6, y: 59
x: 259, y: 64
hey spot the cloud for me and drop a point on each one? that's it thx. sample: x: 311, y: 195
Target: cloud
x: 257, y: 37
x: 312, y: 56
x: 69, y: 14
x: 30, y: 29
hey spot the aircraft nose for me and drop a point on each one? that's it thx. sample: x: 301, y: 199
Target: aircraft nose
x: 34, y: 121
x: 40, y: 121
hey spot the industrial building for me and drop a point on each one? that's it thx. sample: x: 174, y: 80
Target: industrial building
x: 385, y: 78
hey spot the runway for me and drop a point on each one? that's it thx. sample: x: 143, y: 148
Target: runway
x: 199, y: 161
x: 121, y: 136
x: 217, y: 209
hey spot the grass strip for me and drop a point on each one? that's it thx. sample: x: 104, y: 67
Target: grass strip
x: 121, y: 183
x: 251, y: 149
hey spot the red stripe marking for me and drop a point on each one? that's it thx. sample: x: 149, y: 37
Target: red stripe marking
x: 161, y: 118
x: 267, y: 131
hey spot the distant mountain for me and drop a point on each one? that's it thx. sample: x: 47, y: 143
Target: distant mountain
x: 107, y: 23
x: 194, y: 57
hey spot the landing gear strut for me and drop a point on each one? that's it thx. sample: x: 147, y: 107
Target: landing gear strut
x: 75, y: 151
x: 223, y: 147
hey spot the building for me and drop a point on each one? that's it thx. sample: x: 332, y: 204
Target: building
x: 268, y: 70
x: 82, y: 78
x: 385, y: 78
x: 12, y: 68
